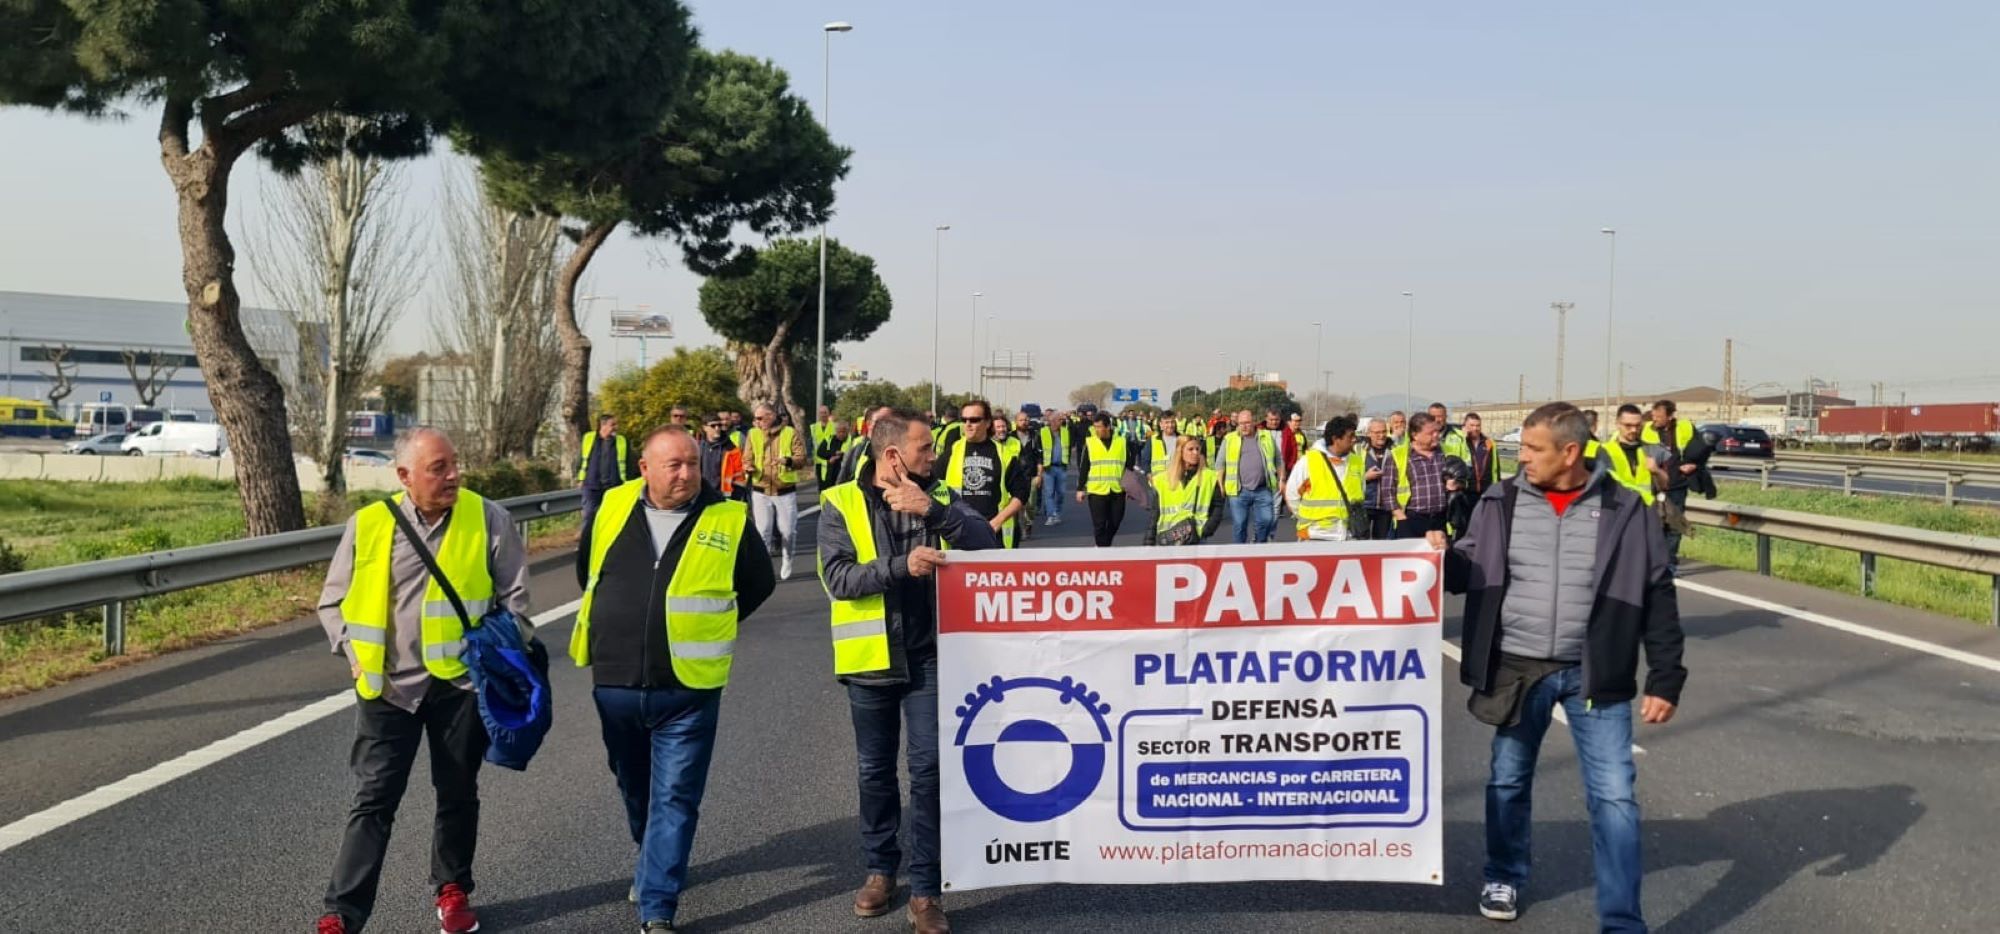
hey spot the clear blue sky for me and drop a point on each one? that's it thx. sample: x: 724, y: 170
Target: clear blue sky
x: 1157, y: 193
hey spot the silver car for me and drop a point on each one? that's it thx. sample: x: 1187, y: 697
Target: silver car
x: 97, y: 444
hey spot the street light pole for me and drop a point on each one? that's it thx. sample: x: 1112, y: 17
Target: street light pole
x: 972, y: 349
x: 937, y: 305
x: 826, y: 121
x: 1610, y: 308
x: 1319, y: 331
x: 1410, y: 357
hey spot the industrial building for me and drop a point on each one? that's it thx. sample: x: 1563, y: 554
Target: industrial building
x: 1778, y: 414
x: 104, y: 342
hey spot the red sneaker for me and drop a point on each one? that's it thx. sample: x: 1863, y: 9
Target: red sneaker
x: 455, y: 915
x: 331, y: 924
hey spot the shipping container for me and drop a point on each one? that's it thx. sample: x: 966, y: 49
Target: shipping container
x: 1972, y: 418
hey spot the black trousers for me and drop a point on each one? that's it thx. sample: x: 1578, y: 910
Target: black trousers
x: 1381, y: 524
x: 1415, y: 524
x: 385, y: 749
x: 1680, y: 500
x: 1107, y: 513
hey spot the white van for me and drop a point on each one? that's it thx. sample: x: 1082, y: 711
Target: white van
x: 201, y: 439
x: 98, y: 418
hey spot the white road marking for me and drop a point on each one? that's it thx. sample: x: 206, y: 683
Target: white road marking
x: 131, y: 786
x: 1452, y: 649
x: 1856, y: 629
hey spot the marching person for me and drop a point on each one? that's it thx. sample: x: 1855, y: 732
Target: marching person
x: 879, y: 545
x: 1328, y: 487
x: 1397, y: 423
x: 1566, y: 582
x: 1107, y: 457
x: 1056, y: 434
x: 772, y: 459
x: 657, y: 629
x: 1670, y: 439
x: 1379, y: 457
x: 822, y: 437
x: 1188, y: 495
x: 721, y: 462
x: 1028, y: 435
x: 1162, y: 454
x: 828, y: 452
x: 1628, y: 460
x: 1450, y: 440
x: 987, y: 472
x: 1249, y: 465
x: 384, y: 610
x: 603, y: 466
x: 1479, y: 454
x: 858, y: 448
x: 1418, y: 482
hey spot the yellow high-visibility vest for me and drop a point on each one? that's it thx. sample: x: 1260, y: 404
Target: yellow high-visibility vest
x: 1107, y: 465
x: 1164, y: 449
x: 753, y: 456
x: 1190, y: 501
x: 366, y: 608
x: 1323, y: 503
x: 1403, y: 491
x: 1683, y: 435
x: 701, y: 594
x: 1232, y: 452
x: 590, y: 442
x: 860, y: 626
x: 1637, y: 479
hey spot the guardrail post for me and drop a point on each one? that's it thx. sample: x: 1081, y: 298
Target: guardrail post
x: 1847, y: 476
x: 1994, y: 620
x: 1763, y: 554
x: 114, y: 628
x: 1951, y: 482
x: 1867, y: 574
x: 1764, y: 476
x: 521, y: 529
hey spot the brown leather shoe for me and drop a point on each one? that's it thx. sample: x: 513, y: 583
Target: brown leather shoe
x: 927, y: 916
x: 873, y: 899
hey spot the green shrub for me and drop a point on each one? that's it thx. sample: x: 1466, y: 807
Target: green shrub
x: 11, y: 560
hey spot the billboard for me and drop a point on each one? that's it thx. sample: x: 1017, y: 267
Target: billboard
x: 641, y: 324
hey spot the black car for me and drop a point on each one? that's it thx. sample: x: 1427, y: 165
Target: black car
x: 1739, y: 441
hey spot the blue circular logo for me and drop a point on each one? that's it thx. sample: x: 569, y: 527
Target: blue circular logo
x: 1028, y: 726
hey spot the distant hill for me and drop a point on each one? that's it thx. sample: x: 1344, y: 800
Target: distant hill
x: 1389, y: 402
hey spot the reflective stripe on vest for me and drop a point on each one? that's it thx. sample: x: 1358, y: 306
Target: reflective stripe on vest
x: 1323, y: 503
x: 700, y: 603
x: 1232, y: 451
x: 861, y: 626
x: 1638, y: 478
x: 1190, y: 501
x: 1164, y: 449
x: 590, y: 442
x: 462, y: 556
x: 1107, y: 465
x: 753, y: 457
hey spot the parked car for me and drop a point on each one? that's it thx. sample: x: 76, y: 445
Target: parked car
x: 369, y: 457
x: 1739, y: 441
x: 98, y: 444
x: 1512, y: 437
x: 201, y: 439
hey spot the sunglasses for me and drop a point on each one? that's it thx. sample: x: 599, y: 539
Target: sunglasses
x: 714, y: 425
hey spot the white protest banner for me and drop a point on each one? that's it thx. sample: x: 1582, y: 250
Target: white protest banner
x: 1210, y: 714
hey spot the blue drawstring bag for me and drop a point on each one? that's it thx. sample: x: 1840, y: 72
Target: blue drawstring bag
x: 510, y: 674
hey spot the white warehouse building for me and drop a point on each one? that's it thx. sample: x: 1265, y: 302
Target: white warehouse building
x: 101, y: 333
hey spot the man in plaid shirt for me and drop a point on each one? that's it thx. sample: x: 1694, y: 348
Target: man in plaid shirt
x: 1418, y: 480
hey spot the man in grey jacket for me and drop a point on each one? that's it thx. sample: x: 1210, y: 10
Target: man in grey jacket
x: 1566, y: 580
x: 879, y: 546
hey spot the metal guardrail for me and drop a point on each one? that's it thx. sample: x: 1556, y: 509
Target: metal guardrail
x: 1971, y: 553
x: 1948, y: 475
x: 113, y: 581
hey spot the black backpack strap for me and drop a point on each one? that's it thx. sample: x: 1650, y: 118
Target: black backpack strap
x: 430, y: 563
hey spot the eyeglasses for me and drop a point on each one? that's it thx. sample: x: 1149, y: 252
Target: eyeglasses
x: 713, y: 425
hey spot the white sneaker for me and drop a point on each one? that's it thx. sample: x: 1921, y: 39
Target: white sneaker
x: 785, y: 568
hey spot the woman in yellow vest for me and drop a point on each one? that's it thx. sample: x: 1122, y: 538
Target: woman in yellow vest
x: 1189, y: 495
x: 668, y: 568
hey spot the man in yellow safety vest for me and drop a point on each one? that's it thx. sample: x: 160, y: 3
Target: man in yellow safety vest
x: 880, y: 540
x: 605, y: 462
x: 402, y: 637
x: 1328, y: 488
x: 772, y: 457
x: 668, y: 569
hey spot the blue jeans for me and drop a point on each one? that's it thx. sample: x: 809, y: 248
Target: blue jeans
x: 659, y: 741
x: 880, y: 714
x: 1603, y: 735
x: 1252, y: 506
x: 1053, y: 478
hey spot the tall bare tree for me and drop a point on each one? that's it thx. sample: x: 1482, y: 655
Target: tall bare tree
x: 338, y: 253
x: 62, y: 373
x: 160, y: 368
x: 500, y: 320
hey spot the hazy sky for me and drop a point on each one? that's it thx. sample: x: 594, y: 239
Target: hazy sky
x: 1158, y: 193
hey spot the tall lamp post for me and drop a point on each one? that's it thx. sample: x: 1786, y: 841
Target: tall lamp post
x: 825, y: 120
x: 1610, y: 308
x: 937, y: 305
x: 972, y: 349
x: 1319, y: 331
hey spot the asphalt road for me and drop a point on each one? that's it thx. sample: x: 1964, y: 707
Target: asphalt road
x: 1814, y: 781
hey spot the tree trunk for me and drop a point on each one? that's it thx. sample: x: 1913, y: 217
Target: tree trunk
x: 575, y: 346
x: 764, y: 372
x: 248, y: 400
